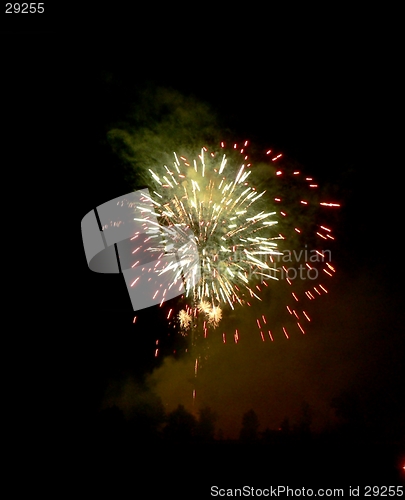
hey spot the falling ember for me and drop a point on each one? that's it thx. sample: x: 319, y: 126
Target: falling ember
x: 134, y: 282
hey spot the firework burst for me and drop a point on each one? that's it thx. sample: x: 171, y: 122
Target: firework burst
x: 214, y: 228
x: 228, y: 239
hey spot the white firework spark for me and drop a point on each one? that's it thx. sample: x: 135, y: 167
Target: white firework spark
x: 214, y: 228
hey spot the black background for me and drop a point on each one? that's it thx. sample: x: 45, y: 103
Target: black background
x: 330, y: 98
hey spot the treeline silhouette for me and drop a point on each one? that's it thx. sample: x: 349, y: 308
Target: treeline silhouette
x: 350, y: 448
x: 149, y: 421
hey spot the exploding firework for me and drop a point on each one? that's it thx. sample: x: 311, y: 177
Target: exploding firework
x: 225, y: 240
x: 212, y: 223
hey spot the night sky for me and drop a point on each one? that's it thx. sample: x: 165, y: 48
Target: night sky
x: 321, y: 116
x: 332, y: 110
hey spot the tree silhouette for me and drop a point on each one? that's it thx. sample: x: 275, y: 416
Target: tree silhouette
x: 220, y: 435
x: 250, y: 426
x: 349, y: 411
x: 146, y: 418
x: 181, y: 425
x: 206, y: 424
x: 285, y: 426
x: 305, y: 420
